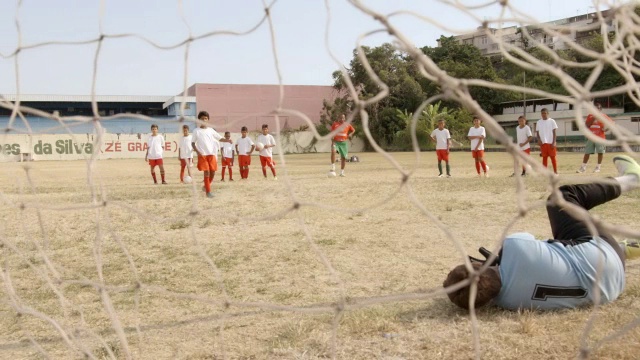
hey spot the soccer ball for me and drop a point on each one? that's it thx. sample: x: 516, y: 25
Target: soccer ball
x: 259, y: 146
x: 331, y: 174
x: 187, y: 179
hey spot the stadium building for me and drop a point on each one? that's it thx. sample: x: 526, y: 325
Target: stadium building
x: 230, y: 106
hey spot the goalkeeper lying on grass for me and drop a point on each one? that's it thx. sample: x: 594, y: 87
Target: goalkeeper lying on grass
x: 573, y: 269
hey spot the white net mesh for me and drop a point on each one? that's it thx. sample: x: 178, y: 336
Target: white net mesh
x: 96, y: 262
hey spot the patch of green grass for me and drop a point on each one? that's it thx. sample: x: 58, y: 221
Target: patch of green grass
x: 180, y: 224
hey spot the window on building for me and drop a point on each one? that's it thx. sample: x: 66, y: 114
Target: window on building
x: 187, y: 106
x: 574, y: 126
x: 483, y: 40
x: 635, y: 119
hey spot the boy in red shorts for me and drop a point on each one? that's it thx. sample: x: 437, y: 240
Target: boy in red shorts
x: 155, y: 148
x: 205, y: 144
x: 244, y: 148
x: 185, y: 153
x: 228, y: 154
x: 442, y: 137
x: 266, y: 154
x: 546, y: 133
x: 477, y: 134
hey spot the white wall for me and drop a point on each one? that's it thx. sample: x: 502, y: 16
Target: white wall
x: 112, y: 146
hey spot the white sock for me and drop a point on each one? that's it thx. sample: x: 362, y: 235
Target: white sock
x: 628, y: 182
x: 333, y: 167
x: 598, y: 166
x: 342, y: 171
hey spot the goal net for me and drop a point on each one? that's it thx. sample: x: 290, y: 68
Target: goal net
x: 98, y: 262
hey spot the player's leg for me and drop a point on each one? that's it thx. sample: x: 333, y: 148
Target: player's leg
x: 272, y: 166
x: 600, y: 149
x: 439, y: 165
x: 483, y: 164
x: 587, y: 196
x: 585, y: 159
x: 447, y: 167
x: 230, y: 172
x: 161, y: 166
x: 333, y: 156
x: 224, y: 168
x: 183, y: 165
x: 263, y: 163
x: 152, y: 166
x: 188, y: 165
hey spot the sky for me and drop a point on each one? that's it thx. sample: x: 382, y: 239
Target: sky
x: 131, y: 66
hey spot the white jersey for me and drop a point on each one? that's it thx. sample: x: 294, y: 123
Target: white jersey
x: 266, y: 140
x: 441, y: 138
x: 227, y: 150
x: 477, y: 132
x: 545, y: 130
x: 156, y: 147
x: 206, y: 141
x: 186, y: 151
x: 522, y: 134
x: 243, y: 145
x: 551, y: 275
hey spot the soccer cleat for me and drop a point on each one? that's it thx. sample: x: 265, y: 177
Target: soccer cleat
x: 275, y: 178
x: 210, y: 195
x: 448, y: 175
x: 343, y: 175
x: 581, y: 170
x: 596, y: 170
x: 631, y: 248
x: 221, y: 180
x: 626, y: 165
x: 512, y: 175
x: 164, y: 183
x: 440, y: 175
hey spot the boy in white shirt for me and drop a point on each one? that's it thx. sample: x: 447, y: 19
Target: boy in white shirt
x: 546, y: 132
x: 228, y: 155
x: 244, y: 148
x: 477, y: 134
x: 266, y: 154
x: 442, y: 137
x: 185, y: 153
x: 205, y: 144
x: 155, y: 148
x: 523, y: 137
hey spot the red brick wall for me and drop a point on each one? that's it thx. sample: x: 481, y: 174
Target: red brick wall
x: 233, y: 106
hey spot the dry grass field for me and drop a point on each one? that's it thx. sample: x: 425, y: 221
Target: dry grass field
x: 100, y: 263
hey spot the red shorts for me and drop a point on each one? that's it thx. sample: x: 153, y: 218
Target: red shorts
x: 244, y: 160
x: 267, y: 161
x: 227, y: 161
x: 442, y: 154
x: 547, y: 150
x: 154, y: 162
x: 185, y: 162
x: 528, y: 151
x: 207, y: 163
x: 477, y: 154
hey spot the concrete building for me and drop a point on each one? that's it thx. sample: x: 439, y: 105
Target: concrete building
x: 233, y: 106
x: 230, y: 106
x: 577, y: 28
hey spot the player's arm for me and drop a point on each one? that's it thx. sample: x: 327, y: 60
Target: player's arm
x: 554, y: 137
x: 352, y: 131
x: 448, y: 143
x: 238, y: 151
x: 193, y: 145
x: 146, y: 155
x: 538, y: 137
x: 253, y: 147
x: 233, y: 156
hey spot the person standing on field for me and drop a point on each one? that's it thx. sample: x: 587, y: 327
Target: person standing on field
x: 205, y: 144
x: 477, y: 134
x: 266, y: 154
x: 546, y: 133
x: 244, y: 148
x: 442, y: 137
x: 155, y: 148
x: 227, y: 153
x: 339, y: 142
x: 185, y: 152
x: 598, y: 128
x: 524, y: 136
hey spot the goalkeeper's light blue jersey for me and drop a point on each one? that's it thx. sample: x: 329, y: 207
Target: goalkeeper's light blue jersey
x: 541, y: 275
